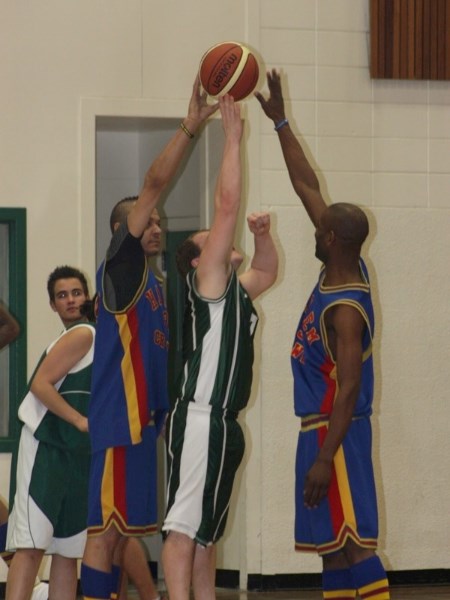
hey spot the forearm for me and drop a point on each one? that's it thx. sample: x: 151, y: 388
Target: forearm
x: 228, y: 188
x: 157, y: 178
x: 265, y: 257
x: 303, y: 177
x: 55, y: 403
x: 166, y: 164
x: 339, y: 423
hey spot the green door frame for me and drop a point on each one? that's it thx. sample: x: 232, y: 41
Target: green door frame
x: 15, y: 219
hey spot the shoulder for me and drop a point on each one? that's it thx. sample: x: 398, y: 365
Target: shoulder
x: 81, y: 334
x: 81, y: 330
x: 232, y: 285
x: 122, y: 241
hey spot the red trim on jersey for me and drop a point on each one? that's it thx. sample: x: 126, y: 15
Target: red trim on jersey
x: 330, y: 393
x: 138, y: 368
x: 335, y: 503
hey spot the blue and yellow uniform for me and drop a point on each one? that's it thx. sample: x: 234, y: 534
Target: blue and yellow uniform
x: 129, y: 390
x: 350, y: 509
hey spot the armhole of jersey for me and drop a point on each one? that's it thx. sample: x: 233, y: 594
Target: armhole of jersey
x: 86, y: 359
x: 65, y: 331
x: 134, y: 299
x: 191, y: 282
x: 323, y: 330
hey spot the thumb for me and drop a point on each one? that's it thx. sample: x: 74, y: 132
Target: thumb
x: 260, y: 98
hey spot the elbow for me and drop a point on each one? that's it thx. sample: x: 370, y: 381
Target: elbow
x: 36, y: 386
x: 154, y: 183
x: 35, y: 389
x: 15, y: 330
x: 273, y: 274
x: 269, y: 278
x: 230, y: 199
x: 228, y: 205
x: 11, y: 333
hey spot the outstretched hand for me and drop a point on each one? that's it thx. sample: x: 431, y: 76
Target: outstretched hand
x: 231, y: 117
x: 199, y: 109
x: 259, y: 223
x: 274, y: 105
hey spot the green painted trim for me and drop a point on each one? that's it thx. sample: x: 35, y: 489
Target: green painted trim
x: 15, y: 218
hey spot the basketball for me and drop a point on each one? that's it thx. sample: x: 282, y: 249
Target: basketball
x: 229, y: 68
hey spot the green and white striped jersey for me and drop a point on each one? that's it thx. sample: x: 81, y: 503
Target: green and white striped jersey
x: 218, y: 347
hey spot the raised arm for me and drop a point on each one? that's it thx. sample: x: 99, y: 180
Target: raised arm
x: 214, y: 267
x: 264, y: 266
x: 164, y: 167
x: 302, y: 175
x: 9, y: 327
x: 64, y: 355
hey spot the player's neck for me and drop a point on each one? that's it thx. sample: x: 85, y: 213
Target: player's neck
x: 341, y: 273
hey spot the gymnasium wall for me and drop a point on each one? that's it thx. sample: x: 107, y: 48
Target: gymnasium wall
x: 382, y: 144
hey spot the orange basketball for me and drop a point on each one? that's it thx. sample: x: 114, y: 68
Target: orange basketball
x: 229, y: 68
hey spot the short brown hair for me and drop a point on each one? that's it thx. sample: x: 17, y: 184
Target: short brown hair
x: 65, y: 272
x: 186, y: 252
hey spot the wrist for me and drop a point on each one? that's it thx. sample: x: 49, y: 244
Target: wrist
x: 186, y: 130
x: 324, y: 458
x: 280, y: 123
x: 191, y: 123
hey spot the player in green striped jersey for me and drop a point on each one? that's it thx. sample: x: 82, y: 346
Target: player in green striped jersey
x: 205, y: 442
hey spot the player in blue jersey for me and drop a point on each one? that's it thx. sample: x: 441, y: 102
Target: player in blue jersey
x: 204, y: 439
x: 336, y: 511
x: 129, y: 379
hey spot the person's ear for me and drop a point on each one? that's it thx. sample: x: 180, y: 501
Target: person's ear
x: 115, y: 226
x: 195, y: 261
x: 52, y: 305
x: 331, y: 237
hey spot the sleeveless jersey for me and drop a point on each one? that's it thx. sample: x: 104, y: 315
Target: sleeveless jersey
x: 75, y: 389
x: 218, y: 347
x: 313, y: 366
x: 129, y: 375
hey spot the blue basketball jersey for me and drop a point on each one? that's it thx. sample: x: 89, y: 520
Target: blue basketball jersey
x: 129, y: 375
x: 313, y: 366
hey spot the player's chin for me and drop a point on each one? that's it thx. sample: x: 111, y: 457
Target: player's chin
x: 73, y: 317
x: 151, y: 247
x: 152, y: 250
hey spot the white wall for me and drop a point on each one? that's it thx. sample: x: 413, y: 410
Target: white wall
x: 383, y: 144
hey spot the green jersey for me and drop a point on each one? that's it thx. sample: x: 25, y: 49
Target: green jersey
x: 75, y: 389
x: 218, y: 347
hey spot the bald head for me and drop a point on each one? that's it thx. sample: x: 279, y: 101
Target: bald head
x: 348, y: 222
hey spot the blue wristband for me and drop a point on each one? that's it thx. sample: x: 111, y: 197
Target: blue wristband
x: 281, y: 124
